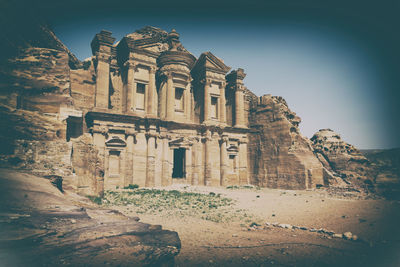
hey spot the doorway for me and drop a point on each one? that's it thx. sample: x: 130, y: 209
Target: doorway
x: 178, y: 170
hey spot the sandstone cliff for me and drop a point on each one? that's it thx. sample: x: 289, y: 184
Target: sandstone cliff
x: 342, y: 158
x: 23, y: 26
x: 281, y: 157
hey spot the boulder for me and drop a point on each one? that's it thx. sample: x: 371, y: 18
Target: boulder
x: 41, y: 226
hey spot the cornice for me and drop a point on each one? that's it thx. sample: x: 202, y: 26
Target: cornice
x: 170, y: 125
x: 176, y: 57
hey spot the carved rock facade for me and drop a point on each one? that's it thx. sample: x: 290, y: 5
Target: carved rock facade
x: 145, y: 111
x: 157, y: 115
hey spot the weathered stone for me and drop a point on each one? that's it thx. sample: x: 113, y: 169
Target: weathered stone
x: 55, y: 227
x: 337, y: 235
x: 280, y: 156
x: 341, y: 158
x: 284, y: 225
x: 347, y: 235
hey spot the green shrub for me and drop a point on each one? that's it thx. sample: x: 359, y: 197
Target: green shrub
x: 131, y: 186
x: 95, y: 199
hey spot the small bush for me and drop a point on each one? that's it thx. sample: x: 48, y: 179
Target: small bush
x: 254, y: 224
x: 95, y: 199
x: 131, y: 186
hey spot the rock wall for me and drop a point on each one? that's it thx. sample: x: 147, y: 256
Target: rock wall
x: 37, y: 79
x: 280, y: 157
x: 87, y: 167
x: 342, y: 158
x: 34, y: 103
x: 83, y: 83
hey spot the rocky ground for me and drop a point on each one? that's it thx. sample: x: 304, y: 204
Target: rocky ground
x: 233, y: 226
x: 42, y: 226
x: 269, y: 227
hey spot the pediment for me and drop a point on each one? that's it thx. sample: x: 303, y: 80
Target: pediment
x: 180, y: 142
x: 232, y: 148
x: 212, y: 63
x: 115, y: 142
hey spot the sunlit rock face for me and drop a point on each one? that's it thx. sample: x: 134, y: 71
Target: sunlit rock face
x: 340, y: 157
x: 281, y: 156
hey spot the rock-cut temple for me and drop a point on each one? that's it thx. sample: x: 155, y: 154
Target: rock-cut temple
x: 153, y: 114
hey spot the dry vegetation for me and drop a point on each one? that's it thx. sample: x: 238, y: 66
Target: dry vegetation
x: 173, y: 203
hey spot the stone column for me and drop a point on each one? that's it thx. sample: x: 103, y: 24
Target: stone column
x: 130, y: 86
x: 165, y: 163
x: 129, y: 158
x: 151, y: 101
x: 188, y: 102
x: 243, y: 177
x: 150, y: 171
x: 122, y: 168
x: 222, y: 103
x: 163, y: 100
x: 132, y: 90
x: 196, y: 156
x: 224, y: 161
x: 101, y: 48
x: 207, y: 159
x: 207, y: 100
x: 102, y: 80
x: 188, y: 164
x: 170, y: 98
x: 239, y: 107
x: 99, y: 139
x: 192, y: 113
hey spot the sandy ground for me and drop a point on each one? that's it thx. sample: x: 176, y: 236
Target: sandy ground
x: 206, y: 243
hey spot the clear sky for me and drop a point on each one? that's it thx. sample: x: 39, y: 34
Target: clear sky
x: 335, y: 64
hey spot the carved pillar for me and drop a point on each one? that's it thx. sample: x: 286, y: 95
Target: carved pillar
x: 195, y: 174
x: 207, y: 100
x: 101, y: 48
x: 102, y: 80
x: 207, y: 159
x: 192, y: 113
x: 99, y: 139
x: 222, y: 102
x: 130, y: 88
x: 188, y: 101
x: 130, y: 137
x: 151, y: 147
x: 239, y: 107
x: 162, y: 98
x: 224, y: 161
x: 243, y: 177
x: 188, y: 164
x: 165, y: 163
x: 151, y: 101
x: 170, y: 98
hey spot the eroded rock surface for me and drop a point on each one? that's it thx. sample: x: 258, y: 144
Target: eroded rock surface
x: 283, y: 158
x: 40, y: 226
x: 342, y: 158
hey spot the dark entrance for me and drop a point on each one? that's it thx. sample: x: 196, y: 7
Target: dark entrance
x: 179, y: 163
x: 74, y: 127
